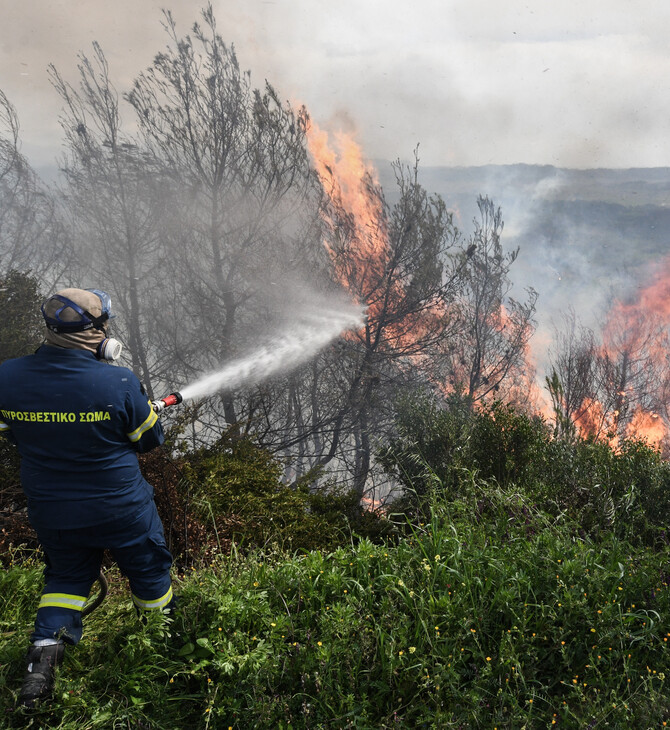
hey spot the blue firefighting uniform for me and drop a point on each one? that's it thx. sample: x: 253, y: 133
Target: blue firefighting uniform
x: 78, y: 424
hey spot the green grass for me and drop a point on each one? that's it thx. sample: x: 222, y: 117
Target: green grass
x: 483, y: 616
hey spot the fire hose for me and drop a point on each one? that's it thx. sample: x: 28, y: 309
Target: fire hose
x: 99, y: 598
x: 158, y: 405
x: 170, y: 400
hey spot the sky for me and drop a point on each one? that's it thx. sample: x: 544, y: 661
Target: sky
x: 575, y: 83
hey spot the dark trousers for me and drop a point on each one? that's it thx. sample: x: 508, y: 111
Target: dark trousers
x: 73, y: 559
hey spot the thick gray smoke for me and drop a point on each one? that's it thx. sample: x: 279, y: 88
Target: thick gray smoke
x: 471, y: 81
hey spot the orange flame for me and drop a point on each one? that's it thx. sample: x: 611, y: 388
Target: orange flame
x: 648, y: 426
x: 359, y: 230
x: 358, y: 227
x: 371, y: 504
x: 635, y: 336
x: 635, y: 343
x: 346, y: 179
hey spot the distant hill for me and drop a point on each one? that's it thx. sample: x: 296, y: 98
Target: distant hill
x: 629, y: 187
x: 585, y: 236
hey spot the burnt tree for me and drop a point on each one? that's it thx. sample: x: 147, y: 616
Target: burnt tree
x: 115, y: 196
x: 239, y: 163
x: 488, y: 352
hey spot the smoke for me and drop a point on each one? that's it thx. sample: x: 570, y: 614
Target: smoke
x: 309, y: 325
x: 489, y: 85
x: 572, y: 83
x: 586, y: 237
x: 574, y: 251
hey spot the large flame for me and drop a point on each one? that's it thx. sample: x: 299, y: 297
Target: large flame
x: 649, y: 426
x: 634, y: 350
x: 358, y: 228
x: 359, y: 239
x: 347, y: 180
x: 635, y: 336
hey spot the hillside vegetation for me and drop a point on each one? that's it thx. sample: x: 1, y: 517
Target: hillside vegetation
x: 521, y: 582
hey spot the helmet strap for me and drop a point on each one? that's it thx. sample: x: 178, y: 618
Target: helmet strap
x: 94, y: 322
x: 97, y: 322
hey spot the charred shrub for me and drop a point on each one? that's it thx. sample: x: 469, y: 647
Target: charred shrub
x: 15, y: 530
x: 21, y: 333
x: 186, y: 534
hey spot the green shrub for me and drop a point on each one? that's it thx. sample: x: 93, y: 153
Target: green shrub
x: 473, y: 620
x: 625, y: 491
x: 431, y: 443
x: 21, y: 325
x: 446, y: 440
x: 504, y: 445
x: 238, y: 484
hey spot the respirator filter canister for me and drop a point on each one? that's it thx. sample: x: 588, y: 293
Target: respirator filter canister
x: 109, y: 349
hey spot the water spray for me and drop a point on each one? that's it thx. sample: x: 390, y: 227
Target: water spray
x: 309, y: 332
x: 285, y: 350
x: 312, y: 330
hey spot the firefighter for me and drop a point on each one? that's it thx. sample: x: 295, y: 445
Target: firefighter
x: 78, y: 424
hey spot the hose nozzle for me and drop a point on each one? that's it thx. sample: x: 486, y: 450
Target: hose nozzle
x: 169, y: 400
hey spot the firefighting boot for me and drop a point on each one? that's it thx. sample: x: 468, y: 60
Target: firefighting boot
x: 39, y: 678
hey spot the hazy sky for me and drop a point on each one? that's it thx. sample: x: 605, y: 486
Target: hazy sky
x: 575, y: 83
